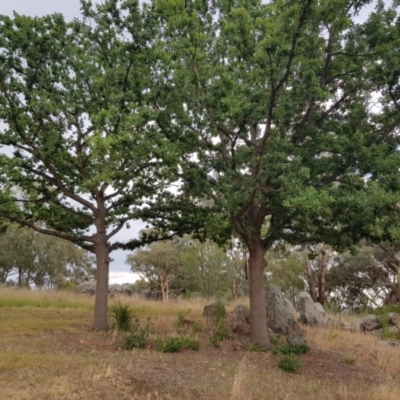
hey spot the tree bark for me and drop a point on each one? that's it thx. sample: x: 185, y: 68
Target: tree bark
x: 321, y: 277
x: 102, y: 252
x: 258, y: 315
x: 310, y: 279
x: 100, y: 308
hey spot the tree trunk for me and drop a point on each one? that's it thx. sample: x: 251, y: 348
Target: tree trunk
x: 258, y: 315
x: 310, y: 278
x: 103, y: 263
x: 321, y: 278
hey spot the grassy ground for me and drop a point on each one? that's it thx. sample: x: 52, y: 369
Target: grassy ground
x: 48, y: 351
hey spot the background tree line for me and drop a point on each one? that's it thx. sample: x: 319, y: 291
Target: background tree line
x: 30, y: 258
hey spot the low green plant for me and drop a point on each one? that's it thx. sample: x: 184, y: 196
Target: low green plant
x: 273, y: 339
x: 181, y: 324
x: 289, y: 363
x: 350, y: 360
x: 122, y: 316
x: 333, y: 335
x: 256, y: 347
x: 222, y: 333
x: 390, y: 308
x: 197, y: 327
x: 175, y: 344
x: 288, y: 349
x: 219, y: 312
x: 137, y: 339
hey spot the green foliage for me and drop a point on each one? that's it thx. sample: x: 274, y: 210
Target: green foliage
x: 137, y: 339
x: 291, y: 349
x: 256, y: 347
x: 289, y: 363
x: 197, y: 327
x: 350, y: 360
x: 176, y: 344
x: 219, y: 312
x: 273, y: 339
x: 181, y: 325
x: 122, y: 316
x: 221, y: 333
x: 390, y: 308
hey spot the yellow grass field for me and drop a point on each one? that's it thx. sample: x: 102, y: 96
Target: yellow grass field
x: 48, y: 351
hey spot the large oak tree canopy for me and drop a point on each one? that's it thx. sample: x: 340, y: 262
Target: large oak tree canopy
x: 296, y: 111
x: 79, y: 144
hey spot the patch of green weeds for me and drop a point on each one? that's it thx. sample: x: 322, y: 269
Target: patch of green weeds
x: 292, y: 349
x: 222, y: 333
x: 350, y: 360
x: 275, y: 341
x: 256, y: 347
x: 176, y: 344
x: 289, y: 363
x: 137, y: 339
x: 333, y: 335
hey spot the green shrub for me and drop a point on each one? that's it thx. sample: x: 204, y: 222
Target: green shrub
x: 176, y: 344
x: 222, y: 333
x: 289, y: 363
x: 122, y: 316
x: 197, y: 327
x: 137, y: 339
x: 181, y: 323
x: 273, y: 339
x: 390, y: 308
x: 219, y: 311
x: 291, y: 349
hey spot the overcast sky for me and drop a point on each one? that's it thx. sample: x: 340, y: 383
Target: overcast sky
x: 119, y: 272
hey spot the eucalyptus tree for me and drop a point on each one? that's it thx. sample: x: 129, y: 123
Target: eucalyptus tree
x: 80, y: 154
x: 293, y: 110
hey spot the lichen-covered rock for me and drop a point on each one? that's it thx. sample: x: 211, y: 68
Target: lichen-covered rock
x: 281, y: 315
x: 310, y: 313
x: 120, y: 289
x: 338, y: 323
x: 88, y: 288
x: 394, y: 318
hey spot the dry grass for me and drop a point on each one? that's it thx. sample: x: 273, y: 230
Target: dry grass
x: 49, y: 352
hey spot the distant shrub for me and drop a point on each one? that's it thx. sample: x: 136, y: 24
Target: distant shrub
x: 176, y: 344
x: 289, y: 363
x: 122, y: 316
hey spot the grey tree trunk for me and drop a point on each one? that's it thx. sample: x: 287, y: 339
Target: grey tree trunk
x: 100, y: 307
x: 258, y: 316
